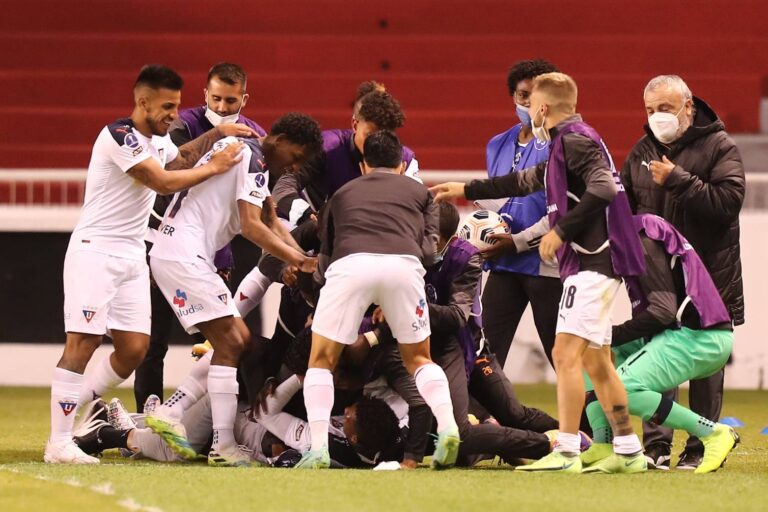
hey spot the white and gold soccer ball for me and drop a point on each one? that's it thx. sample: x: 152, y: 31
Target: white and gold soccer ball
x: 479, y: 225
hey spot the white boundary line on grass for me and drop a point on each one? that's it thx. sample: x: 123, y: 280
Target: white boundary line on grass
x: 105, y: 489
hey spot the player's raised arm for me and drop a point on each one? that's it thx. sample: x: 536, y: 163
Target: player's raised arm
x: 163, y: 182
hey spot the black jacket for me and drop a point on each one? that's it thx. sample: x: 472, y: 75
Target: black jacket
x: 702, y: 196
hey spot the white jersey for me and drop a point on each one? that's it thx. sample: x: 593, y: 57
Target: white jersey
x: 114, y: 216
x: 205, y: 218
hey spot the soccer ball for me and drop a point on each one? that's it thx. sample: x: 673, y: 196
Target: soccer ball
x: 479, y: 225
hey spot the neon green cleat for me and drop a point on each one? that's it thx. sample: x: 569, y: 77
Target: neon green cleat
x: 446, y: 448
x: 232, y: 457
x: 172, y: 432
x: 315, y: 459
x: 555, y: 462
x: 717, y: 446
x: 615, y: 463
x: 596, y: 453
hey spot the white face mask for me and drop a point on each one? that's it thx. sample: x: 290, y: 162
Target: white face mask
x: 540, y: 132
x: 665, y: 126
x: 217, y: 119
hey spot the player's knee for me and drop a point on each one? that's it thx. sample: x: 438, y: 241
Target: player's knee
x: 131, y: 355
x: 564, y: 358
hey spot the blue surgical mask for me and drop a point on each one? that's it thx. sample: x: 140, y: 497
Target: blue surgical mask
x: 522, y: 114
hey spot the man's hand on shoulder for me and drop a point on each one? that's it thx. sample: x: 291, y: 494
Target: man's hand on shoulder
x: 236, y: 130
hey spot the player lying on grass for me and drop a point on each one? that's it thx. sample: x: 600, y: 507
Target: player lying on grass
x: 453, y: 294
x: 680, y: 330
x: 367, y: 432
x: 196, y: 224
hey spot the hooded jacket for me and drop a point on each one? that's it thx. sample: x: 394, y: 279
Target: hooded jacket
x: 701, y: 198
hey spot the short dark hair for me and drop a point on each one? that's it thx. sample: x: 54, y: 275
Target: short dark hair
x: 527, y: 70
x: 377, y: 425
x: 300, y: 129
x: 449, y: 219
x: 156, y: 76
x: 382, y: 109
x: 383, y: 149
x: 228, y: 73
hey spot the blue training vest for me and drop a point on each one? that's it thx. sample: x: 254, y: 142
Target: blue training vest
x: 520, y: 213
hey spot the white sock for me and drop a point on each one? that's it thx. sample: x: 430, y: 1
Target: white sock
x: 250, y: 292
x: 99, y: 381
x: 568, y: 443
x: 65, y: 393
x: 223, y: 388
x: 318, y: 399
x: 627, y: 445
x: 192, y: 389
x: 433, y: 387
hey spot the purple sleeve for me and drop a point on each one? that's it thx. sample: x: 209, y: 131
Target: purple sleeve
x: 224, y: 259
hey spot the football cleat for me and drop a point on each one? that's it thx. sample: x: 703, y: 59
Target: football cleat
x: 200, y: 349
x: 95, y: 410
x: 619, y: 464
x: 717, y: 446
x: 66, y: 452
x: 172, y: 432
x: 596, y: 453
x: 657, y: 456
x: 555, y: 462
x: 233, y: 457
x: 689, y: 460
x: 118, y: 416
x: 317, y: 459
x: 446, y: 448
x: 151, y: 403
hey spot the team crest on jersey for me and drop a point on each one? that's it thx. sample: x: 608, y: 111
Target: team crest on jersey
x: 223, y: 298
x: 67, y: 406
x: 180, y: 299
x: 131, y: 140
x: 261, y: 180
x: 420, y: 308
x: 89, y: 314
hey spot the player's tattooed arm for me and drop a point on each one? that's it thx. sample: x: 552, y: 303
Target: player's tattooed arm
x: 152, y: 175
x: 193, y: 150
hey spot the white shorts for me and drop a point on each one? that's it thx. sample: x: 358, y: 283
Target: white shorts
x: 586, y: 306
x: 195, y: 293
x: 353, y: 283
x: 104, y: 292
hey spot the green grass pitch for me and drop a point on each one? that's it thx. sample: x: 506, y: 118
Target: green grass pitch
x: 26, y: 484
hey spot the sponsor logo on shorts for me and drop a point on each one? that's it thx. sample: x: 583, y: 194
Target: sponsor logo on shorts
x: 67, y: 406
x: 89, y: 313
x: 420, y: 308
x: 299, y: 431
x: 421, y: 322
x: 180, y: 299
x: 223, y: 298
x: 191, y: 310
x: 243, y: 296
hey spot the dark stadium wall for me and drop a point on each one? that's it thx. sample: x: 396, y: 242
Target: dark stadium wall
x: 32, y: 292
